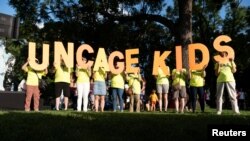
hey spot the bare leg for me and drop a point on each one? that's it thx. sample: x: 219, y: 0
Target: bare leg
x: 166, y: 102
x: 102, y: 103
x: 57, y: 103
x: 176, y: 102
x: 182, y: 104
x: 160, y: 101
x: 66, y: 101
x: 97, y: 103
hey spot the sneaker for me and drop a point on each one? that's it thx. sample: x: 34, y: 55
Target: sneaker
x: 27, y: 110
x: 218, y: 113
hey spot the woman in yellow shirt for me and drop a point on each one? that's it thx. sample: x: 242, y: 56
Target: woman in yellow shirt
x: 100, y: 89
x: 62, y: 82
x: 32, y: 88
x: 224, y: 71
x: 134, y: 80
x: 197, y: 83
x: 162, y: 87
x: 179, y: 89
x: 117, y: 88
x: 83, y: 86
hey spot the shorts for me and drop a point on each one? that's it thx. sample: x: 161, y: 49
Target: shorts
x: 181, y: 92
x: 162, y: 88
x: 153, y: 102
x: 100, y: 88
x: 62, y: 87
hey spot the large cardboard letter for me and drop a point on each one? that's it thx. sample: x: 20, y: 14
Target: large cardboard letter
x: 101, y: 60
x: 191, y: 52
x: 32, y: 57
x: 79, y: 56
x: 119, y: 64
x: 59, y: 52
x: 130, y: 61
x: 220, y: 48
x: 159, y: 61
x: 178, y: 57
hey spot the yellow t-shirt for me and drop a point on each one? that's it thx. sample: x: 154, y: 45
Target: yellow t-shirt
x: 100, y: 75
x: 83, y: 75
x: 153, y: 97
x: 196, y: 79
x: 161, y: 77
x: 225, y: 74
x: 134, y: 81
x: 179, y: 77
x: 63, y: 74
x: 117, y: 81
x: 32, y: 78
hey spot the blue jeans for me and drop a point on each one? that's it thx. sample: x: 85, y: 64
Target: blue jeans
x: 193, y: 94
x: 117, y: 92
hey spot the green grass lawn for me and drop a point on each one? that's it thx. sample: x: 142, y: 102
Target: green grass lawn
x: 71, y: 125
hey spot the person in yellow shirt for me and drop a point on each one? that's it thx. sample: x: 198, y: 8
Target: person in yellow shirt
x: 62, y: 82
x: 153, y: 99
x: 197, y: 83
x: 83, y: 86
x: 117, y: 88
x: 134, y: 81
x: 179, y: 89
x: 162, y: 86
x: 100, y: 88
x: 32, y: 88
x: 225, y: 78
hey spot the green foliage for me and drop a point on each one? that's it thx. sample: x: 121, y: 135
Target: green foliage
x: 110, y: 24
x: 19, y: 49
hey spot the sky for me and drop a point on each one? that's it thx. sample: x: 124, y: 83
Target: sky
x: 6, y: 9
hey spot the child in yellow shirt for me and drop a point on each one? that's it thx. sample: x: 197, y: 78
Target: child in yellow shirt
x: 153, y: 99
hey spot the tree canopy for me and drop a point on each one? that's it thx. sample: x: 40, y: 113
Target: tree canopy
x: 145, y: 24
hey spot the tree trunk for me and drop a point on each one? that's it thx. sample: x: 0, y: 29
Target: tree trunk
x: 185, y: 28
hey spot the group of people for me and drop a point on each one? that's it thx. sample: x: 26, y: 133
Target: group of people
x: 63, y: 83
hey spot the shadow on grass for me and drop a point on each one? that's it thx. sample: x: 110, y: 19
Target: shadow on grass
x: 70, y: 125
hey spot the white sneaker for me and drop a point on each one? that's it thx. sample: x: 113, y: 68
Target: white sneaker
x: 218, y: 113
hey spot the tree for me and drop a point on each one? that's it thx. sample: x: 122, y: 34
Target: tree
x: 122, y: 24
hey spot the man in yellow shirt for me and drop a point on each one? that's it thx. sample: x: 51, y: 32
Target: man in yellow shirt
x: 225, y: 78
x: 32, y: 88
